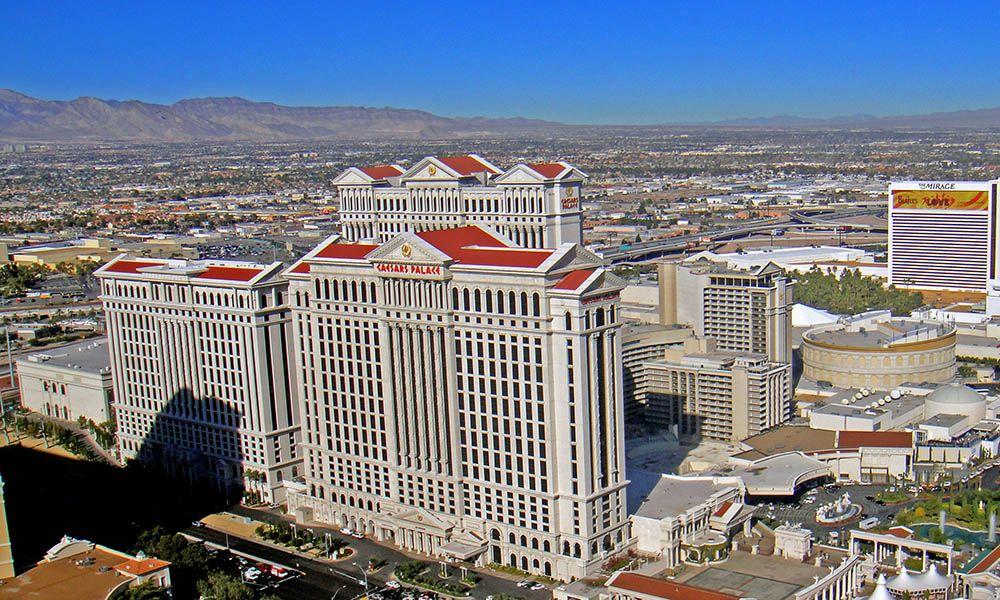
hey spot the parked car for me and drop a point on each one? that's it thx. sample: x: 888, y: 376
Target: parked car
x: 537, y: 587
x: 393, y: 585
x: 868, y: 523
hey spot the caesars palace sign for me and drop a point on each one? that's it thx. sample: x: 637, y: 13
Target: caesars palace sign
x: 408, y: 269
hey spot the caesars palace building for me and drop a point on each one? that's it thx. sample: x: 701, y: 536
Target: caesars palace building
x: 533, y: 205
x: 443, y: 376
x: 460, y: 397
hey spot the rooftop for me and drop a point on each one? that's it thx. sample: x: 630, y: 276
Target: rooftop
x: 788, y: 438
x: 659, y: 588
x: 878, y: 333
x: 673, y: 495
x: 90, y: 356
x: 68, y: 578
x: 874, y: 439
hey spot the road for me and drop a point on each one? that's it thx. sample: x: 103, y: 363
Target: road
x: 319, y: 581
x: 489, y: 584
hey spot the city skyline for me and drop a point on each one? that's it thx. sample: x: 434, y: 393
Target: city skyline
x: 640, y: 64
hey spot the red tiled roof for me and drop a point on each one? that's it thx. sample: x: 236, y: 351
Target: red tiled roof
x: 573, y: 280
x: 229, y: 273
x: 465, y: 165
x: 348, y: 251
x: 722, y: 509
x: 302, y: 267
x: 472, y: 245
x: 380, y: 172
x: 874, y: 439
x: 901, y: 532
x: 548, y: 170
x: 669, y: 590
x: 142, y: 566
x: 129, y: 266
x: 987, y: 562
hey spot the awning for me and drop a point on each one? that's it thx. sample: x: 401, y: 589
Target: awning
x: 464, y: 548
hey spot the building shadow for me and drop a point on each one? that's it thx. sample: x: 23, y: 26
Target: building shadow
x: 195, y: 442
x: 171, y: 482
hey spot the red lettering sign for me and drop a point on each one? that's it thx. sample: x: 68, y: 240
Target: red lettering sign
x: 568, y: 203
x: 408, y: 269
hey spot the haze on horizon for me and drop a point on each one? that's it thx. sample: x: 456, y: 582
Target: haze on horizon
x: 643, y: 62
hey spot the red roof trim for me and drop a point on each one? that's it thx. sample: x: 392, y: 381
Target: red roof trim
x: 142, y: 567
x: 130, y: 266
x: 380, y: 172
x: 669, y: 590
x: 346, y: 251
x: 722, y: 509
x: 465, y: 165
x: 302, y: 267
x: 548, y: 170
x: 572, y: 281
x: 874, y: 439
x: 988, y: 561
x: 227, y: 273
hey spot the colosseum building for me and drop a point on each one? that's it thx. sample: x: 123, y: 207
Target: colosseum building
x: 875, y: 350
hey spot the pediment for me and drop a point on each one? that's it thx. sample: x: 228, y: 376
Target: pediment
x: 353, y: 176
x: 520, y: 173
x: 408, y: 248
x: 605, y: 282
x: 423, y: 519
x: 430, y: 169
x: 572, y: 257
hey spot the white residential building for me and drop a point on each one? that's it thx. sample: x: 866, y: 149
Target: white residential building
x: 69, y: 382
x: 201, y: 355
x: 534, y: 205
x: 461, y: 398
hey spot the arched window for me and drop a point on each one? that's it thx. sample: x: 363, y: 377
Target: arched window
x: 524, y: 304
x: 454, y: 298
x: 568, y: 321
x: 536, y: 304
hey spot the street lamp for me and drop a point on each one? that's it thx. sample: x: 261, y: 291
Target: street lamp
x: 334, y: 596
x: 365, y: 574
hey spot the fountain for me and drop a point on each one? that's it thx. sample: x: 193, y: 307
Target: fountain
x: 838, y: 511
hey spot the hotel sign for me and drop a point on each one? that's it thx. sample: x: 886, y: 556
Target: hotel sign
x: 941, y: 198
x: 405, y: 269
x: 569, y: 200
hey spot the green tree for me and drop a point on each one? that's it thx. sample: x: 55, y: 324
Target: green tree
x: 219, y: 586
x: 144, y: 591
x: 966, y: 371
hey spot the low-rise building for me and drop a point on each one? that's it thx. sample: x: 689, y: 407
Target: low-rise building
x: 69, y: 382
x: 718, y: 395
x: 83, y: 570
x: 690, y: 519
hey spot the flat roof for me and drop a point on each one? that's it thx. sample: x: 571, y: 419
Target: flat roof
x: 779, y: 474
x: 644, y: 585
x: 65, y: 578
x: 791, y: 438
x: 673, y: 495
x: 944, y: 420
x: 90, y: 356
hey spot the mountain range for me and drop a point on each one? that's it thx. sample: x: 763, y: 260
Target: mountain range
x: 87, y: 119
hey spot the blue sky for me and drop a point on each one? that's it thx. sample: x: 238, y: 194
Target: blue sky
x: 580, y: 62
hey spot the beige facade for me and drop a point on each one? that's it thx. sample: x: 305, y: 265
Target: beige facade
x: 533, y: 205
x: 879, y: 352
x: 744, y: 310
x: 94, y: 250
x: 718, y: 395
x: 201, y: 358
x: 642, y: 343
x: 461, y: 398
x: 69, y: 382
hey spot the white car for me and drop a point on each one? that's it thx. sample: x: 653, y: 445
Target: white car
x: 393, y: 585
x: 537, y: 587
x: 346, y: 531
x: 523, y: 584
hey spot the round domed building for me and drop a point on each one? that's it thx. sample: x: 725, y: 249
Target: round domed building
x: 877, y: 351
x: 956, y: 399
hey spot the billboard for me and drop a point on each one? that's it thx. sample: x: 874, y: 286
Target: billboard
x: 941, y: 199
